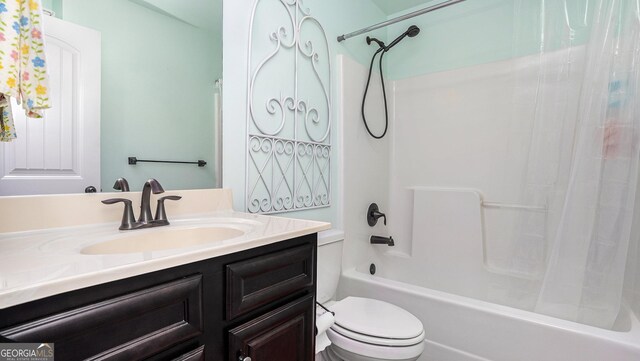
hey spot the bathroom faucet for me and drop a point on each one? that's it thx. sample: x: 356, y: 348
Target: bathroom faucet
x: 154, y: 186
x: 121, y: 184
x: 145, y: 220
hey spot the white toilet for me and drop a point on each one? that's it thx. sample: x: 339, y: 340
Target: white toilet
x: 365, y: 329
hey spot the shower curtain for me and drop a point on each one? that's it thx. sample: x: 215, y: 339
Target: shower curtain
x: 585, y: 270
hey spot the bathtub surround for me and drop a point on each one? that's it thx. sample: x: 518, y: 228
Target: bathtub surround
x: 474, y: 133
x: 455, y: 245
x: 512, y: 130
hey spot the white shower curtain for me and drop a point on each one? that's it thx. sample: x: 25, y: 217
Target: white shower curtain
x: 585, y: 272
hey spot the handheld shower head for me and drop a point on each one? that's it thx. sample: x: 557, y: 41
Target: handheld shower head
x: 411, y: 32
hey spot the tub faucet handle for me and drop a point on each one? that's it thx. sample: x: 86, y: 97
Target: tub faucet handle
x: 373, y: 214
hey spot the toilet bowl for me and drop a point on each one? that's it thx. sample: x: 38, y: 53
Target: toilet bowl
x: 364, y: 329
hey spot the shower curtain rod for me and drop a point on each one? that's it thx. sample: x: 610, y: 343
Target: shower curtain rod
x: 398, y: 19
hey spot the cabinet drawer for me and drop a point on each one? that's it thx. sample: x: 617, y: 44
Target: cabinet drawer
x: 285, y: 334
x: 258, y: 281
x: 129, y: 327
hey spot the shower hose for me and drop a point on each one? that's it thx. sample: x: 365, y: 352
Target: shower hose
x: 384, y: 95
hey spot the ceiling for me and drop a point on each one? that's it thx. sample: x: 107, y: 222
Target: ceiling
x: 390, y: 7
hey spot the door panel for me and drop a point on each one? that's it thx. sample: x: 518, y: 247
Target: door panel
x: 59, y: 153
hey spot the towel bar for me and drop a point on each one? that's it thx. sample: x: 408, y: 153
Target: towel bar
x: 134, y: 161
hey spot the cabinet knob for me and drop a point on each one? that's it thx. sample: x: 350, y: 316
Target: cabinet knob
x: 242, y: 358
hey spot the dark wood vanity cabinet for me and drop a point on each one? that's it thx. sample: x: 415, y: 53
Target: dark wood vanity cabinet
x: 257, y: 303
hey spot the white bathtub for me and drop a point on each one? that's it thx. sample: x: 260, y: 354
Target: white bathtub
x: 462, y: 329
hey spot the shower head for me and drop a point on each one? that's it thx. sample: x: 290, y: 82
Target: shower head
x: 411, y: 32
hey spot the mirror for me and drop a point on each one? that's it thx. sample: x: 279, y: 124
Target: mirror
x: 160, y: 93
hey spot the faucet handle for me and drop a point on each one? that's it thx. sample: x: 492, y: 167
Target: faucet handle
x: 161, y: 214
x: 128, y: 219
x: 373, y: 213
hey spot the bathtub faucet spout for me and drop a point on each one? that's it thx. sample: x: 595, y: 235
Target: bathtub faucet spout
x: 382, y: 240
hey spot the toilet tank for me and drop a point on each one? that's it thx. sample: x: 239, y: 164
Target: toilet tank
x: 329, y: 263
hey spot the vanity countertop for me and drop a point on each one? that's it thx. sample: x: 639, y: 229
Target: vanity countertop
x: 39, y: 263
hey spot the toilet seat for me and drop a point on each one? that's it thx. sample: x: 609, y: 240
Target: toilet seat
x: 369, y: 318
x: 376, y: 340
x: 352, y: 350
x: 376, y: 329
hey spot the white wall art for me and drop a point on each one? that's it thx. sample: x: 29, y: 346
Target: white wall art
x: 289, y: 110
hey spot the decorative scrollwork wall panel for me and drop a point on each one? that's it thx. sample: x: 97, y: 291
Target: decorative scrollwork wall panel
x: 289, y: 110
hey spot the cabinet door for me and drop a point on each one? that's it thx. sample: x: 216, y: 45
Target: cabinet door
x: 285, y: 334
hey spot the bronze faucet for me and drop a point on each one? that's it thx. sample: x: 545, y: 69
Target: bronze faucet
x: 145, y: 220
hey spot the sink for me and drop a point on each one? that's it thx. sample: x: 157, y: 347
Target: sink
x: 162, y: 240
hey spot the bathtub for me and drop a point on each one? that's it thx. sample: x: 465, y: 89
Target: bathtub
x: 460, y: 328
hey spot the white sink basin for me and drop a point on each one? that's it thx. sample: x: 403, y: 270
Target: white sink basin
x: 162, y: 240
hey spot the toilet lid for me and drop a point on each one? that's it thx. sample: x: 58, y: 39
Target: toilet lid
x: 376, y: 318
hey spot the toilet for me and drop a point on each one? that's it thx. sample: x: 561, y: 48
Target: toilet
x: 365, y: 329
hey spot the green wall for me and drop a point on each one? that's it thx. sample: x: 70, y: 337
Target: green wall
x: 483, y: 31
x: 158, y: 77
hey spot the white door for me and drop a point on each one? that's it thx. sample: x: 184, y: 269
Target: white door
x: 59, y: 153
